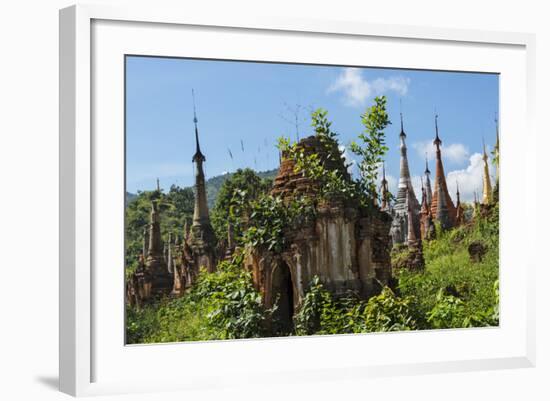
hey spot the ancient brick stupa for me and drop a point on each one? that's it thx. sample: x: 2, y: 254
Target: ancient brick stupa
x: 459, y: 208
x: 428, y: 184
x: 345, y: 246
x: 497, y: 163
x: 384, y: 192
x: 405, y: 195
x: 427, y: 227
x: 487, y: 189
x: 155, y: 263
x: 203, y: 240
x: 442, y: 207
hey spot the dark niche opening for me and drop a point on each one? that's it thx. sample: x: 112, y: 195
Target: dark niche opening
x: 283, y: 296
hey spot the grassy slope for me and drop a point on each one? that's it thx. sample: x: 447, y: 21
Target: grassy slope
x: 449, y: 269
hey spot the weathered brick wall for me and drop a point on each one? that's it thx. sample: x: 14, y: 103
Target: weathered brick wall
x: 347, y: 247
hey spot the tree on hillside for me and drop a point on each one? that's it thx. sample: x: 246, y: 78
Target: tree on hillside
x: 236, y: 192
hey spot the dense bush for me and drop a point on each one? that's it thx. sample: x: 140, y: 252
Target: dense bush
x: 234, y: 198
x: 221, y: 305
x: 321, y: 313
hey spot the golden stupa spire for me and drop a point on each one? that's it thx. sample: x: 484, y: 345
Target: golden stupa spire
x: 487, y: 190
x: 497, y: 150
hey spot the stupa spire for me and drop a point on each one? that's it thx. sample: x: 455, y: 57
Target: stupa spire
x: 411, y: 232
x: 442, y: 207
x: 497, y: 149
x: 155, y: 260
x: 198, y: 154
x: 405, y: 183
x: 384, y: 190
x: 169, y: 257
x: 423, y: 203
x: 203, y: 240
x: 155, y: 240
x: 145, y: 248
x: 437, y: 141
x: 459, y: 209
x: 405, y: 194
x: 427, y: 173
x: 426, y: 224
x: 200, y: 214
x: 487, y: 190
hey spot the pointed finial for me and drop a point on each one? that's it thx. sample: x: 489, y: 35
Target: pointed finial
x: 437, y: 141
x: 401, y: 117
x: 383, y: 171
x: 194, y: 107
x: 484, y: 148
x: 427, y: 171
x: 158, y: 185
x: 198, y: 155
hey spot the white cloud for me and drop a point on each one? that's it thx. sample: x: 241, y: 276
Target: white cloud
x: 469, y: 179
x: 357, y: 90
x: 455, y: 153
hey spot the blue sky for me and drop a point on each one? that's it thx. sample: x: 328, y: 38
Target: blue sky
x: 242, y: 105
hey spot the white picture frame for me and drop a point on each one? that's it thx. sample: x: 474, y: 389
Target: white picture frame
x: 88, y: 366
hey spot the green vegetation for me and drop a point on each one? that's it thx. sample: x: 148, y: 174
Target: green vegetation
x: 373, y: 147
x: 214, y: 184
x: 451, y: 292
x: 233, y: 200
x: 221, y: 305
x: 321, y: 313
x: 176, y: 207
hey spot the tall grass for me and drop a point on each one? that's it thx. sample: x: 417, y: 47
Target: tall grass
x: 451, y: 278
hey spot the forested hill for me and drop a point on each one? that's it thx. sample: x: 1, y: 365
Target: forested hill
x: 214, y: 184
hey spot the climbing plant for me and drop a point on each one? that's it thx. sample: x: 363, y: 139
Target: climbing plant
x: 372, y: 147
x: 332, y: 183
x: 270, y: 217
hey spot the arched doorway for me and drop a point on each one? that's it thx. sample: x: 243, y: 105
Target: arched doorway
x: 282, y: 294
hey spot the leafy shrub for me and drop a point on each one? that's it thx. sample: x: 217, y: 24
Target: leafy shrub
x: 234, y: 199
x: 221, y: 305
x: 387, y: 312
x: 316, y: 300
x: 270, y: 218
x: 321, y: 313
x: 447, y: 312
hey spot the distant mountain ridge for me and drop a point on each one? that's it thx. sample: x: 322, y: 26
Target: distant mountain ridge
x: 214, y: 184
